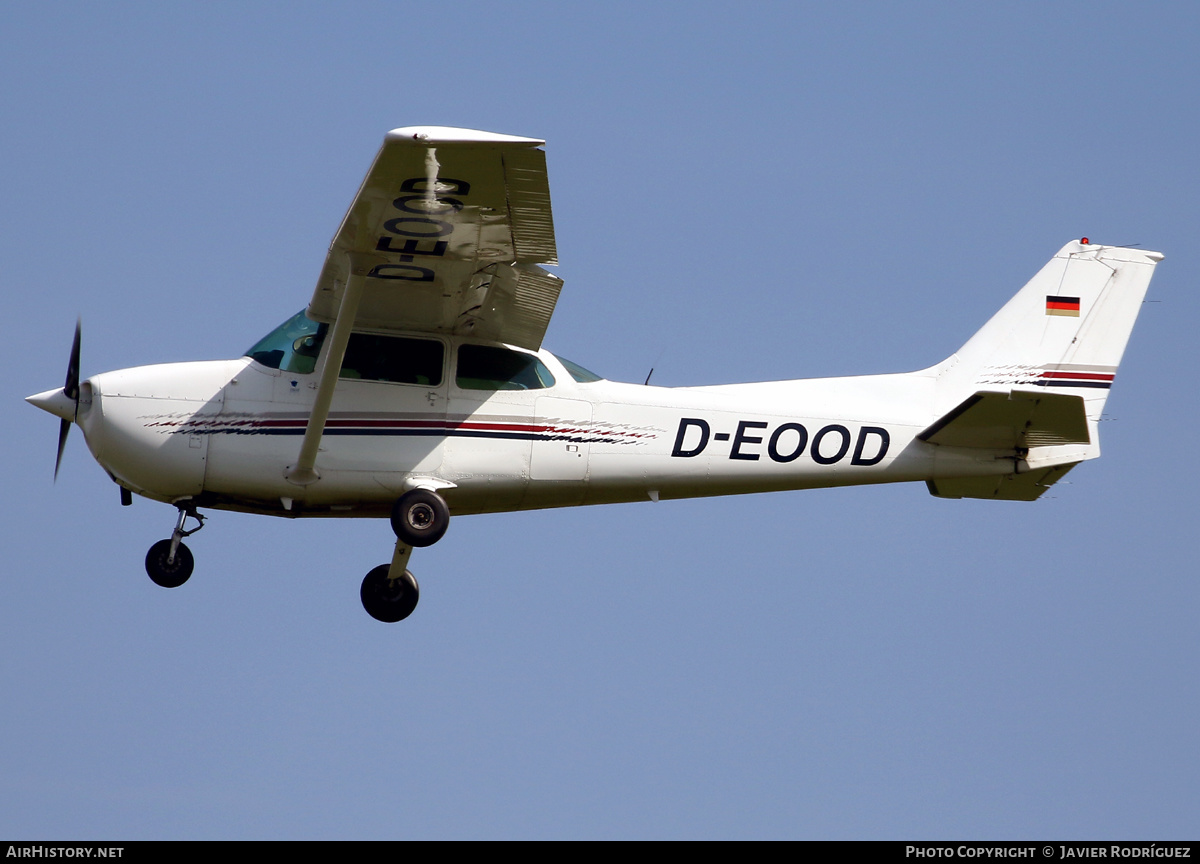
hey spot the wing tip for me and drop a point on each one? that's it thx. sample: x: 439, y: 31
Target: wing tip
x: 443, y: 135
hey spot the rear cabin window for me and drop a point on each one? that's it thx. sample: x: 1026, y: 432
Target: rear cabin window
x: 484, y: 367
x: 583, y: 376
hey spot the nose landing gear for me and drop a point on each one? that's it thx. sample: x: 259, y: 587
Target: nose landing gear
x: 169, y: 563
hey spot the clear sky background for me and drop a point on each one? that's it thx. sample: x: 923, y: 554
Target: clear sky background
x: 741, y: 192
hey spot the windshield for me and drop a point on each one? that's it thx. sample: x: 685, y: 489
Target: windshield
x: 292, y: 346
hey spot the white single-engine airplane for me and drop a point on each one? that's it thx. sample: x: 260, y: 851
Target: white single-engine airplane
x: 415, y: 385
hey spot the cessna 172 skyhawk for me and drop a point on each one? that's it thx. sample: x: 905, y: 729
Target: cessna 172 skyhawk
x: 415, y: 385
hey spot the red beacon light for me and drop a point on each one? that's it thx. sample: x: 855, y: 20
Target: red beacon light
x: 1084, y: 241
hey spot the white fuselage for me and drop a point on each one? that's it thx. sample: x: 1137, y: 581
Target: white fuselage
x: 224, y: 434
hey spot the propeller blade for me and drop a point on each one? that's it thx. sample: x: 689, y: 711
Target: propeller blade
x: 71, y: 391
x: 71, y: 388
x: 64, y: 427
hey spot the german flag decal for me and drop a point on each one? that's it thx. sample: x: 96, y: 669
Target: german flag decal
x: 1068, y: 306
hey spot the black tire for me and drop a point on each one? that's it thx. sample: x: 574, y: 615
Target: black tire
x: 386, y: 600
x: 169, y: 575
x: 420, y: 517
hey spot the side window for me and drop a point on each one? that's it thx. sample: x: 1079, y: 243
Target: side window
x: 394, y: 358
x: 483, y: 367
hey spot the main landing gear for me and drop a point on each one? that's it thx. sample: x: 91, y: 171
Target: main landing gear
x: 169, y: 563
x: 390, y: 592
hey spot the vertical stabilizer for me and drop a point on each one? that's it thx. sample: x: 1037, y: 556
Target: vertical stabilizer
x: 1064, y: 332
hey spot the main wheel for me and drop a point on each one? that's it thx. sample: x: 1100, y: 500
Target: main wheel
x: 169, y: 575
x: 386, y: 599
x: 420, y: 517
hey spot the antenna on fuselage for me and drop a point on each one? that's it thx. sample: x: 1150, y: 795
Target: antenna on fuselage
x: 651, y: 372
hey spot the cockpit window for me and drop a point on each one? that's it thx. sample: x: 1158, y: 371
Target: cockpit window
x: 583, y: 376
x: 292, y: 346
x: 483, y: 367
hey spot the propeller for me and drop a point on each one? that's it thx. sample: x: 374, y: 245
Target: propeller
x: 71, y: 391
x: 64, y: 403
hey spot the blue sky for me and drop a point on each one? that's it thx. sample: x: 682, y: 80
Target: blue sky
x: 741, y: 192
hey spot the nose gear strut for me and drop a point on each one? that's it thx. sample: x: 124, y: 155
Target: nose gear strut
x: 169, y: 562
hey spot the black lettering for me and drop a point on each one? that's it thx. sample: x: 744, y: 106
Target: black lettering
x: 820, y: 436
x: 773, y: 444
x: 410, y: 247
x: 884, y: 440
x: 404, y: 272
x: 740, y: 438
x: 440, y: 229
x: 702, y: 425
x: 427, y: 205
x: 442, y: 184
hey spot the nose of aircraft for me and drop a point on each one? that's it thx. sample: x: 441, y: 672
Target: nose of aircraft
x: 56, y: 401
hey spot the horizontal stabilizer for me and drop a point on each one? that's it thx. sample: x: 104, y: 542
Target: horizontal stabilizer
x: 1012, y: 420
x: 1010, y: 487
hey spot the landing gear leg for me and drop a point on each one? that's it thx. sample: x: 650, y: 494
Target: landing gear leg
x: 169, y: 563
x: 390, y: 592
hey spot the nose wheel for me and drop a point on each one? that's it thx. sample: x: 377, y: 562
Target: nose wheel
x: 169, y: 563
x: 166, y: 570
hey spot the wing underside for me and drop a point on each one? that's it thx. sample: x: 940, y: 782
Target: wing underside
x: 448, y: 230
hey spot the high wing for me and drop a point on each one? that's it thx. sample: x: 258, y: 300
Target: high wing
x: 447, y: 230
x: 444, y: 236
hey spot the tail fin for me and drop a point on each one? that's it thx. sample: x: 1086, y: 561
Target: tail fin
x: 1031, y: 384
x: 1065, y: 331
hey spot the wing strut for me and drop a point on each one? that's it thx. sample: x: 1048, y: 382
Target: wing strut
x: 303, y: 472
